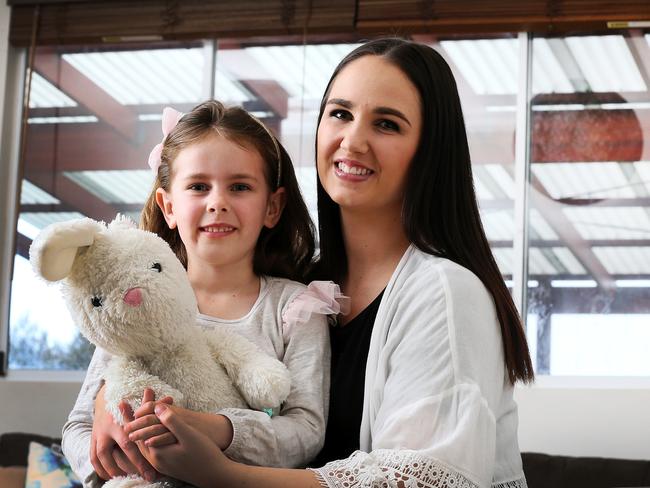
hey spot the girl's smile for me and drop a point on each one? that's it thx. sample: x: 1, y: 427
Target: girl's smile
x: 218, y: 230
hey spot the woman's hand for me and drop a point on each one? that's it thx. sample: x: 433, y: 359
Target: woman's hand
x: 194, y: 458
x: 111, y: 452
x: 147, y: 428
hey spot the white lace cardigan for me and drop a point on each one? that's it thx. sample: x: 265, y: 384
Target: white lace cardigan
x: 438, y: 408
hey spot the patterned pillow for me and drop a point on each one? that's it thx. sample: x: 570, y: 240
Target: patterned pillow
x: 48, y: 468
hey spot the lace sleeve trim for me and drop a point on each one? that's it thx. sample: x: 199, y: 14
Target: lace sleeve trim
x: 385, y: 468
x: 518, y: 483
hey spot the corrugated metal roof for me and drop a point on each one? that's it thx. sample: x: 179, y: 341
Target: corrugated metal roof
x: 285, y: 64
x: 615, y: 223
x: 584, y: 180
x: 154, y: 76
x: 44, y: 94
x: 37, y: 221
x: 31, y: 194
x: 585, y: 63
x: 115, y: 186
x: 607, y: 63
x: 629, y: 260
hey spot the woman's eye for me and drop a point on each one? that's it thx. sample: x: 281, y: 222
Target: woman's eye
x: 341, y: 114
x: 198, y: 187
x: 388, y: 125
x: 240, y: 187
x: 157, y: 267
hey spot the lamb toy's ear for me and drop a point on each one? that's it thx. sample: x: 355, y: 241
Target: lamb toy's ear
x: 122, y: 222
x: 54, y: 250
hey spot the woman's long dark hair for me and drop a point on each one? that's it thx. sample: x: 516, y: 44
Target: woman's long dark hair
x: 439, y: 212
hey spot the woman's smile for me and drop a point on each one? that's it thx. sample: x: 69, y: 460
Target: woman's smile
x: 351, y: 170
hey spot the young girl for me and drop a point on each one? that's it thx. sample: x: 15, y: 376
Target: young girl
x: 227, y: 201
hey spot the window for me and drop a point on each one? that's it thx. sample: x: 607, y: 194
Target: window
x: 589, y: 225
x: 487, y: 73
x: 94, y: 116
x: 282, y: 85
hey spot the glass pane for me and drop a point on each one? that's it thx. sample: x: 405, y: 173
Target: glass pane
x: 94, y: 116
x: 282, y: 85
x: 589, y: 219
x: 486, y: 72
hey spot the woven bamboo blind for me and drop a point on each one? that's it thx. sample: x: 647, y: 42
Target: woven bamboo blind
x: 95, y: 21
x: 92, y: 22
x: 476, y: 16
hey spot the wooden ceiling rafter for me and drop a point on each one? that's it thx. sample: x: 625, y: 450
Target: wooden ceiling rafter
x: 551, y: 211
x: 55, y: 69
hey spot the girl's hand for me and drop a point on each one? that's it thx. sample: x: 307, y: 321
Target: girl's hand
x: 194, y: 458
x: 111, y: 452
x: 146, y: 427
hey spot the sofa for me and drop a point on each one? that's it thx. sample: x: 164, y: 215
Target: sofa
x: 14, y: 448
x: 546, y: 471
x: 542, y: 470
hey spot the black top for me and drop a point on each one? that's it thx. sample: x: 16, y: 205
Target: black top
x: 350, y: 344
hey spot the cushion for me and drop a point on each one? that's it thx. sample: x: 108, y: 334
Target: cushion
x: 12, y: 477
x: 48, y: 468
x: 15, y: 445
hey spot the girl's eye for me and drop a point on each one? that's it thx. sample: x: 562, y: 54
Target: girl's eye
x: 198, y: 187
x: 341, y: 114
x: 388, y: 125
x: 240, y: 187
x: 157, y: 267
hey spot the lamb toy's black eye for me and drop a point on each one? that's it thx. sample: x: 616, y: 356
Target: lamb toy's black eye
x: 157, y: 267
x: 96, y: 301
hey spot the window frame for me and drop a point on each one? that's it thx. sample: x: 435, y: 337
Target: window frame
x: 10, y: 175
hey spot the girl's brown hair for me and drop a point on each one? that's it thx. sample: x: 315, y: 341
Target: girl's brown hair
x: 287, y: 249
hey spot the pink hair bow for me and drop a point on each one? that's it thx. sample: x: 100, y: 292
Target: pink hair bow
x: 170, y: 118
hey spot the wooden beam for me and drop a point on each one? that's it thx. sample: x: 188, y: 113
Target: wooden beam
x: 271, y: 93
x: 74, y: 197
x: 49, y: 64
x: 562, y: 226
x: 86, y: 147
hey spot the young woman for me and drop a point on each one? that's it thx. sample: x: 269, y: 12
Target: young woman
x: 423, y: 367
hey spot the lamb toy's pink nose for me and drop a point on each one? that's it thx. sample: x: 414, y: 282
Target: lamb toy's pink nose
x: 133, y: 297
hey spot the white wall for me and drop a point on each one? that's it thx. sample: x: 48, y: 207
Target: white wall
x: 586, y: 421
x: 35, y: 406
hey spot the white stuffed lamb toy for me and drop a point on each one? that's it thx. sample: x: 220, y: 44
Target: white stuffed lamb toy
x: 130, y: 295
